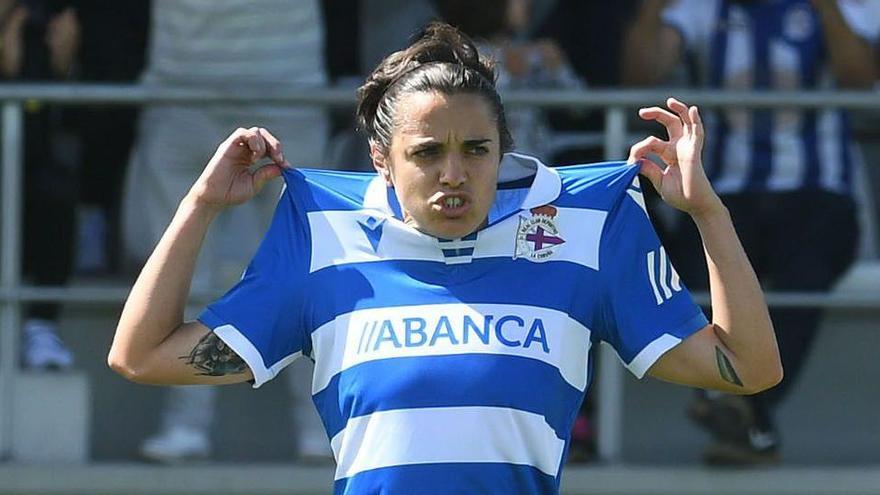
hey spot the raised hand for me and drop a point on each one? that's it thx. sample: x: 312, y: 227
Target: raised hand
x: 229, y: 178
x: 683, y: 183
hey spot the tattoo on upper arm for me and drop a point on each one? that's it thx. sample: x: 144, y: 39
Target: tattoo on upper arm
x: 212, y: 357
x: 726, y: 369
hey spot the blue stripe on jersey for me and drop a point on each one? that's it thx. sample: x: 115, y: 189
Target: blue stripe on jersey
x: 447, y: 478
x: 517, y: 382
x: 809, y: 139
x: 809, y: 69
x: 717, y: 64
x: 329, y: 189
x: 845, y: 150
x: 451, y: 253
x: 597, y: 176
x: 367, y: 286
x: 761, y: 161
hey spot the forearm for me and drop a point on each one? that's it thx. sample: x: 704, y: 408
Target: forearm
x: 852, y: 59
x: 155, y: 306
x: 739, y: 313
x: 650, y: 48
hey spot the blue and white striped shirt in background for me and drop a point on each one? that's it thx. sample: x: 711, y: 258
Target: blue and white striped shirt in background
x: 772, y: 45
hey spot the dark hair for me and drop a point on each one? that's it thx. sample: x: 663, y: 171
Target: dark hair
x: 442, y: 59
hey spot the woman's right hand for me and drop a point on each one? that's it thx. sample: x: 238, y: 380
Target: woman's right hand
x: 229, y: 179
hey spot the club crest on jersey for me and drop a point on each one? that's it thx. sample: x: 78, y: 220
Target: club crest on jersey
x: 537, y: 236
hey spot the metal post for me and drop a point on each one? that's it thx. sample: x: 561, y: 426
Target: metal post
x: 10, y: 264
x: 610, y: 379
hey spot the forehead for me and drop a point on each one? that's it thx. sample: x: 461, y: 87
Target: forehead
x: 432, y: 113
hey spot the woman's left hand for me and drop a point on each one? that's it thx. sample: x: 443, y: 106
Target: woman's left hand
x: 683, y: 184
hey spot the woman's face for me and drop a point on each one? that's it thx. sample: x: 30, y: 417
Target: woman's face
x: 443, y: 162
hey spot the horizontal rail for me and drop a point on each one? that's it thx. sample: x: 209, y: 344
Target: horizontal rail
x: 107, y: 295
x: 90, y: 94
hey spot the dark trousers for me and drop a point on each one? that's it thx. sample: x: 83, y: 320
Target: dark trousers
x: 50, y: 195
x: 799, y: 242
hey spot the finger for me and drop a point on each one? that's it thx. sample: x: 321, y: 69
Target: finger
x: 264, y: 174
x: 694, y: 113
x: 652, y: 171
x: 273, y: 146
x: 669, y: 120
x: 679, y: 108
x: 255, y: 142
x: 650, y: 144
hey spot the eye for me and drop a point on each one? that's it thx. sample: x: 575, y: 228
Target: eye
x: 478, y: 150
x: 426, y: 152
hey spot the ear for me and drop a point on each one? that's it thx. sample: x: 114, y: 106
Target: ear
x: 380, y: 163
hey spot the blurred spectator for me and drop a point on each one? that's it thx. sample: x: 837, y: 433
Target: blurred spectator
x: 40, y: 42
x: 523, y: 62
x: 359, y: 34
x: 589, y: 34
x: 785, y: 175
x: 113, y: 48
x: 225, y: 44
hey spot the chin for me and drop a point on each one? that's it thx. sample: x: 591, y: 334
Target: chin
x: 454, y: 229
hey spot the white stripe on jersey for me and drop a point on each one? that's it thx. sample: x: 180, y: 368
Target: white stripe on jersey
x: 650, y: 354
x: 338, y: 237
x: 243, y: 347
x: 446, y: 434
x: 664, y: 263
x: 445, y: 329
x: 830, y: 152
x: 652, y: 277
x: 788, y: 166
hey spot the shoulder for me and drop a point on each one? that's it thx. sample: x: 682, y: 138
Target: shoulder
x: 596, y: 186
x: 317, y: 189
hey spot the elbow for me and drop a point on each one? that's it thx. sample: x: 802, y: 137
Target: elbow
x: 121, y: 366
x: 126, y: 367
x: 768, y: 378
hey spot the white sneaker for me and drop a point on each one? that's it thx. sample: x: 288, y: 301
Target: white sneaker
x: 176, y: 445
x: 42, y: 349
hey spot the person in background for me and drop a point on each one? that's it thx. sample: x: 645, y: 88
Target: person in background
x: 224, y: 44
x: 40, y: 43
x: 113, y: 49
x: 786, y: 175
x: 503, y: 30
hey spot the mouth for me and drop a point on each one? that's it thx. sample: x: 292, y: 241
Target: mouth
x: 451, y: 205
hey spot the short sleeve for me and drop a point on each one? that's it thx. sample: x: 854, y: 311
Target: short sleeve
x: 262, y: 318
x: 694, y: 19
x: 863, y: 17
x: 646, y: 309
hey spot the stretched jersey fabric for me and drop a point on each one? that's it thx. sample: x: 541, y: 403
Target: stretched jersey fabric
x: 456, y: 366
x: 771, y: 45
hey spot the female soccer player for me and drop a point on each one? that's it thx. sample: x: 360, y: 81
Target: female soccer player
x: 451, y: 301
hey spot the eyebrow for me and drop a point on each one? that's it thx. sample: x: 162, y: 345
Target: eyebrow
x: 476, y: 142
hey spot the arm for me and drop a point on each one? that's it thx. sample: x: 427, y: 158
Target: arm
x: 851, y: 57
x: 651, y: 48
x: 152, y: 343
x: 63, y: 39
x: 737, y: 352
x: 12, y: 42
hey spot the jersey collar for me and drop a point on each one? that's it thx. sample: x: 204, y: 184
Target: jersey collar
x: 514, y: 166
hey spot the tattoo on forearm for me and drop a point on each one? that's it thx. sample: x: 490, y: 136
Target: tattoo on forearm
x: 212, y: 357
x: 726, y: 369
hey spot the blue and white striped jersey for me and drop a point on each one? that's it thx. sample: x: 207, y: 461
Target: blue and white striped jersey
x: 456, y: 366
x: 774, y: 45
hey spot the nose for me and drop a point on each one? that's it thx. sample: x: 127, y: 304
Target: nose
x: 453, y: 172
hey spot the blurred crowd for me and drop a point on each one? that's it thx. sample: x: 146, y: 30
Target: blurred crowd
x: 101, y: 183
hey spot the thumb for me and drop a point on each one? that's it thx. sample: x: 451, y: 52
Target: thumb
x: 652, y: 171
x: 264, y: 174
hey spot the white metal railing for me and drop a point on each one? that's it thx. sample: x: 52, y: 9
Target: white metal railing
x: 614, y: 102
